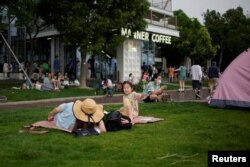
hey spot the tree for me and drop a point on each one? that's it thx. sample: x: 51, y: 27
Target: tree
x: 203, y: 45
x: 4, y: 7
x: 25, y: 14
x: 194, y: 40
x: 229, y: 31
x: 94, y: 25
x: 2, y: 25
x: 183, y: 43
x: 238, y: 32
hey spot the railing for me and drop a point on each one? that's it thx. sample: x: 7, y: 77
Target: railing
x: 167, y: 22
x: 162, y: 4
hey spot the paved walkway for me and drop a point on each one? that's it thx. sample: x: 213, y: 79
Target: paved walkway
x: 188, y: 95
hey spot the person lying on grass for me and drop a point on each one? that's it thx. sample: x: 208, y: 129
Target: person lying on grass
x: 130, y: 105
x: 74, y: 115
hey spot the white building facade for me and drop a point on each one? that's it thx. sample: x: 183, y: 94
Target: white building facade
x: 162, y: 25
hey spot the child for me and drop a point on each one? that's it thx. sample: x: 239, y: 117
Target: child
x: 130, y: 105
x: 130, y: 101
x: 211, y: 94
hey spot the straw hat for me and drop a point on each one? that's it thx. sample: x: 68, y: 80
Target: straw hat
x: 88, y: 110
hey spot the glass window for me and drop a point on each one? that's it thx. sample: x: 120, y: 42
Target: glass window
x: 148, y: 52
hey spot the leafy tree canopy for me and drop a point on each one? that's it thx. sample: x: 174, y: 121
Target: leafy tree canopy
x: 230, y: 31
x: 194, y: 40
x: 94, y: 25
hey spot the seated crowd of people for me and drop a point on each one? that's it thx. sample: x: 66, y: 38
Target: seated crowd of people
x: 48, y: 81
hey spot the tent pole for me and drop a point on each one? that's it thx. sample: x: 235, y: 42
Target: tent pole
x: 26, y: 75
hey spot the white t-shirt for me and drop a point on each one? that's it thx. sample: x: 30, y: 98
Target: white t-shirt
x: 38, y: 86
x: 5, y: 67
x: 196, y: 72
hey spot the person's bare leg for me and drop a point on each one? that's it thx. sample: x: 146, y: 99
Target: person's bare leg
x: 48, y: 124
x: 180, y: 85
x: 143, y: 119
x: 153, y: 97
x: 183, y: 85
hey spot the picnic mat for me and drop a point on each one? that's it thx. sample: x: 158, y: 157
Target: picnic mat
x: 136, y: 120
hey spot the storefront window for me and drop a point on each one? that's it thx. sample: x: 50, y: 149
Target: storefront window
x: 148, y: 52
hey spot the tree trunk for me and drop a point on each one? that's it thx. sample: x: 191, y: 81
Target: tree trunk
x: 31, y: 56
x: 221, y: 57
x: 84, y: 69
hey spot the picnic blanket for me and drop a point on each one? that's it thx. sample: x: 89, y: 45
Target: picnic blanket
x: 51, y: 124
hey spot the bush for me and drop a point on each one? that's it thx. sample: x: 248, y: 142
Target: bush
x: 139, y: 87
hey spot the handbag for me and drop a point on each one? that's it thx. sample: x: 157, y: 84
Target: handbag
x: 113, y: 121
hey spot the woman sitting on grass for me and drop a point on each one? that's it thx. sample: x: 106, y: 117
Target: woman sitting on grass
x: 153, y: 90
x: 130, y: 105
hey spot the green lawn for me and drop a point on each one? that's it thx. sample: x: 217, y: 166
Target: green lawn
x: 182, y: 139
x: 6, y: 89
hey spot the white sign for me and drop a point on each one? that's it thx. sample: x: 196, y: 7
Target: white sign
x: 145, y: 36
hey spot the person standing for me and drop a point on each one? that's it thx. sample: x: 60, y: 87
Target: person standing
x: 91, y: 63
x: 170, y: 74
x: 71, y: 67
x: 196, y: 78
x: 56, y: 64
x: 144, y: 67
x: 92, y: 66
x: 5, y: 69
x: 182, y: 77
x: 213, y: 76
x: 150, y: 72
x: 10, y: 69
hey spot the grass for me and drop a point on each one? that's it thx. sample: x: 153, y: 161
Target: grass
x: 189, y: 129
x: 6, y: 89
x: 20, y: 95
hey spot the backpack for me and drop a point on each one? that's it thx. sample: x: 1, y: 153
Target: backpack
x: 113, y: 121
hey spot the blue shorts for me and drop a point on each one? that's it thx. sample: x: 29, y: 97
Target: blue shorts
x: 182, y: 77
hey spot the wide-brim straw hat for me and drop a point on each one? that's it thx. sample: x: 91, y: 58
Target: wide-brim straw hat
x: 88, y: 111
